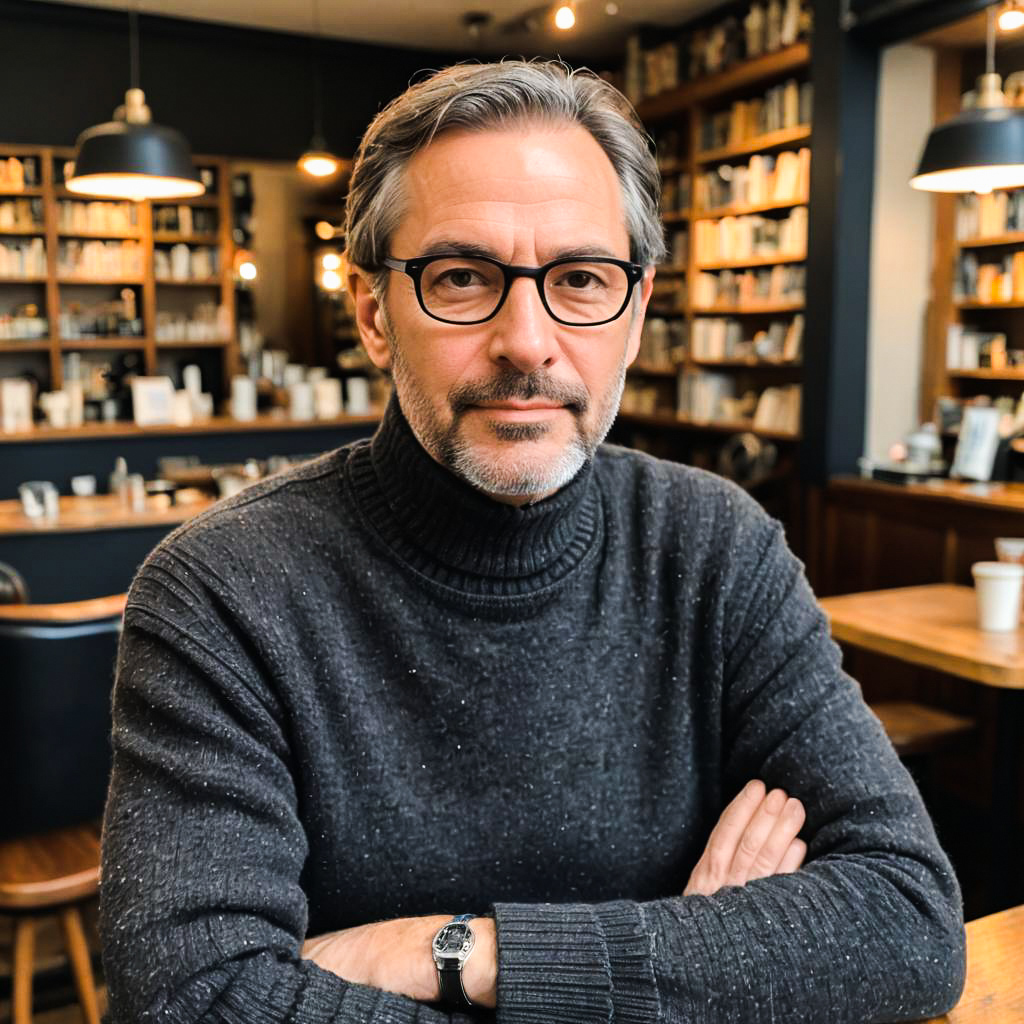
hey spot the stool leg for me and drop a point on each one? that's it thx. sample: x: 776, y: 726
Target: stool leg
x: 78, y: 951
x: 24, y: 956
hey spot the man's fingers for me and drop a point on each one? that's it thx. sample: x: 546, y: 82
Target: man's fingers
x: 794, y: 858
x: 728, y: 832
x: 763, y: 842
x: 786, y: 826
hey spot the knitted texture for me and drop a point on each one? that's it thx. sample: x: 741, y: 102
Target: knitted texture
x: 361, y: 690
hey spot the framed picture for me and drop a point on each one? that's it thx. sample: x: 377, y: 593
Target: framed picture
x: 153, y: 401
x: 977, y: 445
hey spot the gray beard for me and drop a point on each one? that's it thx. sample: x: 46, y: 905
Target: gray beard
x: 511, y: 477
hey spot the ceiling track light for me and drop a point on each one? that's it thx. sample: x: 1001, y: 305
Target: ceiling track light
x: 982, y: 148
x: 130, y: 157
x: 565, y: 16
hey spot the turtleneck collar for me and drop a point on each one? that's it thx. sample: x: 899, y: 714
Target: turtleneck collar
x: 459, y: 536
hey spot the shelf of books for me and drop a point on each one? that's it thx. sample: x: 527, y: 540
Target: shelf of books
x: 85, y: 284
x: 729, y: 105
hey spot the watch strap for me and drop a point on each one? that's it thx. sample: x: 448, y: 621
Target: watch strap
x: 452, y: 991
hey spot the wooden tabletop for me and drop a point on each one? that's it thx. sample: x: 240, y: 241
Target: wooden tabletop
x: 994, y: 993
x: 97, y: 512
x: 934, y: 626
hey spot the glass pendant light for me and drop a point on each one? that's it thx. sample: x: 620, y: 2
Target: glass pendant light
x: 130, y: 157
x: 318, y: 161
x: 980, y: 149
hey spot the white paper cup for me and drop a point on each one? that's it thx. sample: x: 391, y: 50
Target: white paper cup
x: 998, y: 586
x: 1010, y: 549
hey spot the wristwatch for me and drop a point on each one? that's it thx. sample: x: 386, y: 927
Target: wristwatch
x: 451, y: 947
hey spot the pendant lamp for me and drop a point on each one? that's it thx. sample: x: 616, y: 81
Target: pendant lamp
x: 318, y: 161
x: 980, y: 149
x: 130, y: 157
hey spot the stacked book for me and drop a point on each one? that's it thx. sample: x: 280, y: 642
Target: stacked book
x: 733, y: 239
x: 778, y: 409
x: 23, y: 259
x: 971, y: 349
x: 781, y: 285
x: 715, y: 339
x: 783, y: 106
x: 990, y: 282
x: 662, y: 343
x: 764, y: 179
x: 986, y: 216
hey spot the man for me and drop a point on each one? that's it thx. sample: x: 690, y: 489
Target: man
x: 481, y: 666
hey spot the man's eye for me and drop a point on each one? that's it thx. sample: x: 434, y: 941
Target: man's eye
x: 459, y: 278
x: 580, y: 279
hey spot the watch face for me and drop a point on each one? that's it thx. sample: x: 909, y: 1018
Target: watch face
x: 453, y: 940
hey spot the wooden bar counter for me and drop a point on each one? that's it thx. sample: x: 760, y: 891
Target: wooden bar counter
x: 877, y: 535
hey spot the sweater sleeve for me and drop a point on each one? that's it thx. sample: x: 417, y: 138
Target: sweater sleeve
x: 202, y: 915
x: 871, y: 929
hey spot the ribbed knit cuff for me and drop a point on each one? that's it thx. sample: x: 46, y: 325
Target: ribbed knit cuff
x: 574, y: 964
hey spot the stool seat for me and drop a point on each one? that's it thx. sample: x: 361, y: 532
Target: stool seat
x: 915, y: 729
x: 50, y: 869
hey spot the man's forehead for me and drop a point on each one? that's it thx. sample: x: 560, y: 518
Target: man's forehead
x: 544, y: 176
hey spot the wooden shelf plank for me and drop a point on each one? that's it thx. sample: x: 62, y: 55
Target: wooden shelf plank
x: 216, y: 425
x: 207, y: 343
x: 22, y: 280
x: 674, y: 421
x: 752, y: 310
x: 753, y: 261
x: 34, y: 232
x: 171, y: 238
x: 100, y: 280
x: 749, y: 73
x: 975, y: 304
x: 758, y: 144
x: 653, y: 370
x: 739, y: 210
x: 34, y: 191
x: 675, y: 216
x: 746, y: 364
x: 205, y: 282
x: 10, y: 345
x: 112, y: 236
x: 1010, y: 373
x: 674, y: 167
x: 669, y: 270
x: 1011, y: 238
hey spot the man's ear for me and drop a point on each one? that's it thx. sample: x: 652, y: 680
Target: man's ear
x: 369, y: 318
x: 637, y: 325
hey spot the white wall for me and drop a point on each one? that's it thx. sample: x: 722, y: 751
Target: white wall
x: 901, y: 247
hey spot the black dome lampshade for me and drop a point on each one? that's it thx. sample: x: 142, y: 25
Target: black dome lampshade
x: 132, y: 158
x: 982, y: 147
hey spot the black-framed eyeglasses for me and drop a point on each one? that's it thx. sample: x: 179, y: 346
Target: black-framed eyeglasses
x: 578, y: 291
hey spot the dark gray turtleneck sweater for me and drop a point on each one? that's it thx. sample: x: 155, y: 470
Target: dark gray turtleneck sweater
x: 361, y: 690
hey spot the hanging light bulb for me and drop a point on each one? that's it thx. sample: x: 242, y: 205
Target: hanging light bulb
x: 982, y: 148
x: 565, y: 17
x: 330, y: 261
x: 1011, y: 17
x: 130, y: 157
x: 331, y: 280
x: 324, y: 229
x: 318, y: 161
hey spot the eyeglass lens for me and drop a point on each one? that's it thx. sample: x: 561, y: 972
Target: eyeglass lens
x: 464, y: 290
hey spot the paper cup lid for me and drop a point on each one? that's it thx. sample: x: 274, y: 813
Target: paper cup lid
x: 998, y: 570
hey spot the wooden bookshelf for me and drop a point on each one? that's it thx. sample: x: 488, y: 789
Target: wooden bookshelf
x: 1010, y: 373
x: 749, y: 74
x: 681, y: 112
x: 993, y: 241
x: 52, y: 192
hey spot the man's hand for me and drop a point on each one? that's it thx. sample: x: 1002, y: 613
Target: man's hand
x: 755, y: 837
x: 395, y: 956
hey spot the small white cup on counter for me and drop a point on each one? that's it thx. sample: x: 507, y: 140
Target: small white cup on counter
x: 999, y: 586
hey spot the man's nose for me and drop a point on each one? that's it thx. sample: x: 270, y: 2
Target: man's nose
x: 523, y: 335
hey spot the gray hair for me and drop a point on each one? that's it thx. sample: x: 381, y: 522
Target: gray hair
x: 479, y: 97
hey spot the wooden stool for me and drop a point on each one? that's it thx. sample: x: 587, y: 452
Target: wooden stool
x: 46, y: 874
x: 916, y: 729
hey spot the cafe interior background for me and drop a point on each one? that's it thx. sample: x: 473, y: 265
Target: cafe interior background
x: 844, y: 344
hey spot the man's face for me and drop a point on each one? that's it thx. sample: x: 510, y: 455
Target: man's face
x: 517, y: 404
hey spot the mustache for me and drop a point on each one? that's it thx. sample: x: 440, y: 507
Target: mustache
x: 509, y: 385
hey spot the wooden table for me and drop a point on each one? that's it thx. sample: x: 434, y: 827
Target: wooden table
x: 96, y: 512
x: 994, y: 993
x: 935, y: 626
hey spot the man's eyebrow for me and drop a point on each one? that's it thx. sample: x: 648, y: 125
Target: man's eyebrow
x: 444, y: 246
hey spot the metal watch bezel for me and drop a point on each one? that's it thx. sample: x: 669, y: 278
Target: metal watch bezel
x: 457, y: 959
